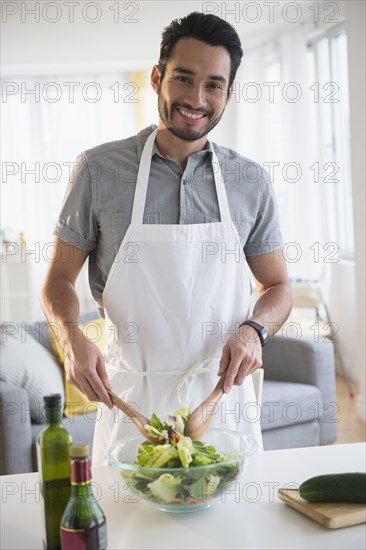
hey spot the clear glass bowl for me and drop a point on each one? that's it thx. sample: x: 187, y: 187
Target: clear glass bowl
x: 210, y: 481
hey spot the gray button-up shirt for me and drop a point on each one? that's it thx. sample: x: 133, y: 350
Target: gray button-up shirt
x: 97, y: 207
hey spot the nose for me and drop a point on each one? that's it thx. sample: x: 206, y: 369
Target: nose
x: 196, y: 96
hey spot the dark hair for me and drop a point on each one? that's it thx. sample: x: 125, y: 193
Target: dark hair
x: 205, y: 27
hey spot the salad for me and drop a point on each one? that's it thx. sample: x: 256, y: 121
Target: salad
x: 200, y: 473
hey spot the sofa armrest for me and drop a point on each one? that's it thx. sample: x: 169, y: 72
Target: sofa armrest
x: 303, y: 361
x: 15, y: 430
x: 306, y: 362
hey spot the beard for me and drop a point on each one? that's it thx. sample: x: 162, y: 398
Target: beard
x: 189, y: 133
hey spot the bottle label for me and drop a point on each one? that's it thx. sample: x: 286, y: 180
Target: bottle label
x: 94, y: 538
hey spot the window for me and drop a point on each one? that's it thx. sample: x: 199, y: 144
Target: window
x: 47, y: 120
x: 274, y: 143
x: 328, y: 63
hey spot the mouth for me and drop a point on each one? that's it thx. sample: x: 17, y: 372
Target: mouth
x: 190, y: 115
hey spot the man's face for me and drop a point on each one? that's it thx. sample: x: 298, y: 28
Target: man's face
x: 193, y: 94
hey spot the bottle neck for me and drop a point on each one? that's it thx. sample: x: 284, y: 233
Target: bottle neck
x: 53, y: 416
x: 80, y: 471
x: 81, y: 477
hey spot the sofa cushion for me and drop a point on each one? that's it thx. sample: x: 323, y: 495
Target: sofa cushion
x: 40, y: 332
x: 288, y: 403
x: 28, y: 365
x: 298, y: 435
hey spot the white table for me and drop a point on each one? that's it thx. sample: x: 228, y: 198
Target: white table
x: 253, y: 518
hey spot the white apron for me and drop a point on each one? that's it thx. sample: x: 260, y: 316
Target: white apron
x: 174, y: 295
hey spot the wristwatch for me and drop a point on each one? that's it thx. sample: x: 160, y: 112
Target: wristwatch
x: 261, y: 331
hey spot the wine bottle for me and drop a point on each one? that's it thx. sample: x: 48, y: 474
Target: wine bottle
x: 83, y: 524
x: 53, y: 460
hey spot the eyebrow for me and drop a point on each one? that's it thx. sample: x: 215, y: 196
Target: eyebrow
x: 183, y: 70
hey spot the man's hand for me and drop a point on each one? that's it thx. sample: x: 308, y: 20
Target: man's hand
x: 241, y: 355
x: 85, y: 369
x: 84, y: 363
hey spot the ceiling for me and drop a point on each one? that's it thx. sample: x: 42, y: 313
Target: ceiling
x: 135, y: 37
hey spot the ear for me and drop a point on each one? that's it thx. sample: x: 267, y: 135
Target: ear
x: 230, y: 92
x: 155, y: 78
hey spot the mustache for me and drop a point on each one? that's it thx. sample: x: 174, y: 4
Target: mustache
x: 186, y: 106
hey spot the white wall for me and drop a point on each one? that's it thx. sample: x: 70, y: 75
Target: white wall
x: 355, y: 20
x: 342, y: 305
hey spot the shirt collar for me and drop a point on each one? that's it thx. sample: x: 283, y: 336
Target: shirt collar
x: 144, y: 134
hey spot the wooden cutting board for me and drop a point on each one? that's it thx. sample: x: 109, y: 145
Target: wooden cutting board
x: 331, y: 515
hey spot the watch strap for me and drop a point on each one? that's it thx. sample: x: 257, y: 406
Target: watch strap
x: 260, y: 329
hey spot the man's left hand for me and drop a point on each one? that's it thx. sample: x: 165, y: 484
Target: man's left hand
x: 241, y: 355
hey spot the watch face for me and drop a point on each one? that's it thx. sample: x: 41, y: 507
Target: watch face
x: 265, y: 336
x: 261, y: 331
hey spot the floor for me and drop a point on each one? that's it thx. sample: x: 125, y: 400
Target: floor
x: 350, y: 428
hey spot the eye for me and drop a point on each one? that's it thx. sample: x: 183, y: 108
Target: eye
x: 183, y: 79
x: 214, y: 86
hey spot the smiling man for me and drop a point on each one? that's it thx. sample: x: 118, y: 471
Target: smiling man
x: 170, y: 236
x: 197, y: 75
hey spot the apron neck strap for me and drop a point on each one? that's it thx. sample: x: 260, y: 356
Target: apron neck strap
x: 225, y: 215
x: 143, y: 180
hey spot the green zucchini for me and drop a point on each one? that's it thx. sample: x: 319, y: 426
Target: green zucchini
x: 348, y: 487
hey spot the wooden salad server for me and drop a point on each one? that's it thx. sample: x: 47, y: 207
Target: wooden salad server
x: 200, y: 418
x: 139, y: 419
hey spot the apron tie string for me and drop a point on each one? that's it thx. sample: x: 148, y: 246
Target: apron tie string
x: 199, y: 367
x: 187, y: 375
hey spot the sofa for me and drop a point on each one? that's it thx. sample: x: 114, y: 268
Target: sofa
x: 298, y: 401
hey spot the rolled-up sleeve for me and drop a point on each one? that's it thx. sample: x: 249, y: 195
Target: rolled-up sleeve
x: 265, y: 236
x: 77, y: 223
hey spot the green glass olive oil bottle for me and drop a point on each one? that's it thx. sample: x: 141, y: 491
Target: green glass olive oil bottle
x: 83, y: 525
x: 53, y: 460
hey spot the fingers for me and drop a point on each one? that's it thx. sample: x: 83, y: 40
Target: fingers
x: 96, y: 391
x: 104, y: 384
x: 92, y: 386
x: 238, y: 369
x: 232, y: 372
x: 87, y: 372
x: 243, y: 360
x: 247, y: 367
x: 88, y: 390
x: 224, y: 361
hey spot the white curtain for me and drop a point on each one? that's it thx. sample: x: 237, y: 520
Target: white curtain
x: 46, y: 122
x: 278, y: 130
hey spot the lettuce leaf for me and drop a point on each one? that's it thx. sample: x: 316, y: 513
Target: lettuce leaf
x: 203, y: 488
x: 155, y: 456
x: 185, y: 450
x: 165, y: 487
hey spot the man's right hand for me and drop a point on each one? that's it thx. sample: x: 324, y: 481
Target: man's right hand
x: 85, y: 368
x: 84, y: 363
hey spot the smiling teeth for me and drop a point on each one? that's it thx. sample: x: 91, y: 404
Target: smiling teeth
x: 190, y: 115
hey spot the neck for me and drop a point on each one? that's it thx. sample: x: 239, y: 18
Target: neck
x: 178, y: 148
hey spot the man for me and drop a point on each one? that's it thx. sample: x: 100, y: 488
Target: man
x: 164, y: 235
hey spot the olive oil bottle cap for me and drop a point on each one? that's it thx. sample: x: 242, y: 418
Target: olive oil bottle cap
x: 52, y: 400
x: 79, y: 450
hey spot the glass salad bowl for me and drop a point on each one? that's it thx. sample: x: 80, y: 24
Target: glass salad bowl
x: 183, y: 489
